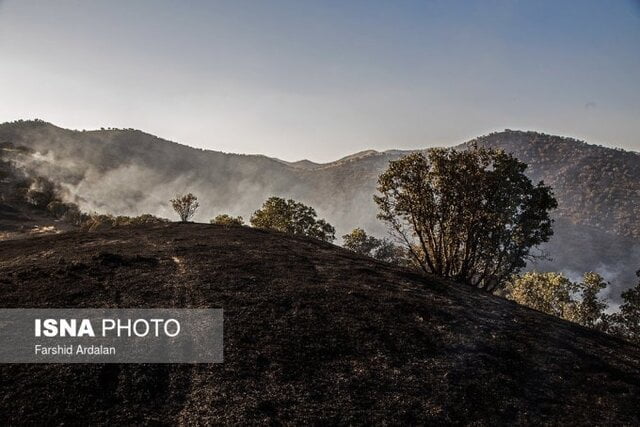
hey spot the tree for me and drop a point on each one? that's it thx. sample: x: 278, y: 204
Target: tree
x: 472, y: 216
x: 554, y: 294
x: 185, y: 206
x: 292, y: 217
x: 388, y: 252
x: 227, y: 220
x: 98, y: 222
x: 590, y: 310
x: 626, y: 322
x: 361, y: 243
x: 550, y: 293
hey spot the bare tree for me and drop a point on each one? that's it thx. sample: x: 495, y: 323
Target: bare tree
x: 185, y: 206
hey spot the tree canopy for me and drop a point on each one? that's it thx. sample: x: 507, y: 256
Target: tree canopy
x: 626, y: 322
x: 185, y: 206
x: 361, y: 243
x: 227, y: 220
x: 292, y: 217
x: 555, y: 294
x: 470, y: 215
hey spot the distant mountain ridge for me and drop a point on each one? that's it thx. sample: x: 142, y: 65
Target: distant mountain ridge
x: 130, y: 172
x: 597, y: 186
x: 309, y: 165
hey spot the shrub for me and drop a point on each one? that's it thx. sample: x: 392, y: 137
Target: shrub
x: 381, y: 249
x: 97, y: 222
x: 227, y: 220
x: 68, y: 212
x: 40, y: 193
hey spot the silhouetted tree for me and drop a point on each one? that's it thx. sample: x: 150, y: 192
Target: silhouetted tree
x: 470, y: 215
x: 292, y: 217
x: 185, y: 206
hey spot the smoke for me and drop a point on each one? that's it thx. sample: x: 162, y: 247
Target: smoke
x: 131, y: 173
x: 575, y: 249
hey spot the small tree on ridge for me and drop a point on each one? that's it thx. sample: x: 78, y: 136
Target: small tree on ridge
x: 185, y: 206
x: 227, y: 220
x: 292, y: 217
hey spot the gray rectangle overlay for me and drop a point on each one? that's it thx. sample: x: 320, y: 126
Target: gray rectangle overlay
x: 111, y: 335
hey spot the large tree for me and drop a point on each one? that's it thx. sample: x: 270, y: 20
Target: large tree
x: 292, y: 217
x: 471, y: 215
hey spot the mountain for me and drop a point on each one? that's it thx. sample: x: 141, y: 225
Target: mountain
x: 129, y: 172
x: 597, y: 186
x: 313, y: 334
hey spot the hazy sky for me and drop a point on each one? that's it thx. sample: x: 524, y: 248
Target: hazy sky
x: 322, y: 79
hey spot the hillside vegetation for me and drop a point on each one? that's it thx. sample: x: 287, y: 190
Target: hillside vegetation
x: 597, y: 186
x: 313, y: 334
x: 129, y: 172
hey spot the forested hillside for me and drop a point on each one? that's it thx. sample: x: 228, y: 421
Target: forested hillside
x: 129, y: 172
x: 597, y: 186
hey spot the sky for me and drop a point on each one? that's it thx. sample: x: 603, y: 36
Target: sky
x: 323, y: 79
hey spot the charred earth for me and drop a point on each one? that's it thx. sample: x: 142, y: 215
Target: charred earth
x: 313, y: 333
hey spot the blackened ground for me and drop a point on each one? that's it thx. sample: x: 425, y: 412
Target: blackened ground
x: 20, y: 220
x: 313, y: 334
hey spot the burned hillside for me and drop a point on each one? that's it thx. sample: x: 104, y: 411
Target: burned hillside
x: 313, y: 333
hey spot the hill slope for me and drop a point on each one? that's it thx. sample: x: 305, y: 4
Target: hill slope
x: 597, y: 186
x: 313, y: 333
x: 128, y: 172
